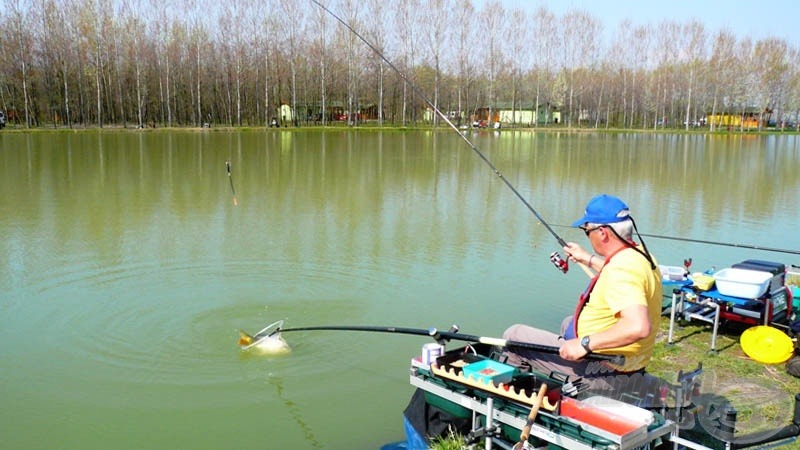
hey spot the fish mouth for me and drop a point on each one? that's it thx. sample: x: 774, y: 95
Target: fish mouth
x: 244, y: 339
x: 267, y: 341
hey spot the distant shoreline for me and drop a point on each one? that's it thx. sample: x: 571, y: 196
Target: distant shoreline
x: 369, y: 127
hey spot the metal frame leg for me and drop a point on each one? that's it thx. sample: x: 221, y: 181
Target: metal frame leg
x: 675, y: 293
x: 717, y: 307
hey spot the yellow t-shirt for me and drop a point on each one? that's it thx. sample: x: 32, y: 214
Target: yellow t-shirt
x: 626, y: 280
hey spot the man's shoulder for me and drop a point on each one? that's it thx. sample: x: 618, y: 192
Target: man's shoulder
x: 631, y: 257
x: 629, y: 264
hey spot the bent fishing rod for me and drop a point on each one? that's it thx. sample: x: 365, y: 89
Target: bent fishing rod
x: 444, y: 336
x: 559, y: 262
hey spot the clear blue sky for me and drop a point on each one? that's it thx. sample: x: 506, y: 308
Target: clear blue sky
x: 756, y: 19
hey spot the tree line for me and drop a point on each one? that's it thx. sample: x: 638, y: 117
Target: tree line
x: 143, y: 63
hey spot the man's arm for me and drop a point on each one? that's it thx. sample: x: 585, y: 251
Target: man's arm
x: 633, y: 325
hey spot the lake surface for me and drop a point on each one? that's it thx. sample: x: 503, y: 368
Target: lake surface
x: 127, y: 269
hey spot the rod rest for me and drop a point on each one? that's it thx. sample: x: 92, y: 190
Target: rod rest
x: 761, y: 437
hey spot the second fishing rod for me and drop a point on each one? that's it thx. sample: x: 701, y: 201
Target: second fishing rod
x: 555, y: 257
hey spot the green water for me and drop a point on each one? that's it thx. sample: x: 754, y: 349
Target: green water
x: 127, y: 269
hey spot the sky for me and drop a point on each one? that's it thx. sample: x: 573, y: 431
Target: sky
x: 755, y: 19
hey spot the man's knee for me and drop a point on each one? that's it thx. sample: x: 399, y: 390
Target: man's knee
x: 512, y: 333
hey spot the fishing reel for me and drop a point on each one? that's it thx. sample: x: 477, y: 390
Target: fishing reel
x: 560, y: 263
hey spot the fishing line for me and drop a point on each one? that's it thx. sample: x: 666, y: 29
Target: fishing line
x: 230, y: 178
x: 727, y: 244
x: 702, y: 241
x: 475, y: 149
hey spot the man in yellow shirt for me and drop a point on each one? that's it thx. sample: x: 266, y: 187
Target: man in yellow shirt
x: 619, y: 311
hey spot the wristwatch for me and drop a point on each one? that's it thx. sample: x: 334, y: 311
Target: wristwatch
x: 585, y: 344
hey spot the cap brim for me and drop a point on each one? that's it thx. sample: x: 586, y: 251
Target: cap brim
x: 580, y: 222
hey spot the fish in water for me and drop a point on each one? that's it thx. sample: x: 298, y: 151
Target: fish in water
x: 272, y: 344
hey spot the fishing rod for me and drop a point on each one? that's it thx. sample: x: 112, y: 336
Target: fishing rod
x: 441, y: 337
x: 559, y: 262
x: 702, y: 241
x: 230, y: 178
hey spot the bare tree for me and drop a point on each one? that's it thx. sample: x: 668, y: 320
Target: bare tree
x: 491, y: 19
x: 722, y: 70
x: 198, y: 36
x: 695, y: 48
x: 321, y: 45
x: 265, y: 39
x: 517, y: 45
x: 160, y: 30
x: 21, y: 41
x: 56, y: 53
x: 239, y: 12
x: 545, y: 43
x: 435, y: 24
x: 134, y: 31
x: 377, y: 13
x: 293, y: 23
x: 640, y: 50
x: 405, y: 15
x: 91, y: 63
x: 771, y: 68
x: 792, y: 106
x: 745, y: 89
x: 465, y: 70
x: 353, y: 18
x: 579, y: 54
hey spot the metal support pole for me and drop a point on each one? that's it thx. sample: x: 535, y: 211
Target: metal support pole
x: 672, y: 315
x: 717, y: 307
x: 489, y: 426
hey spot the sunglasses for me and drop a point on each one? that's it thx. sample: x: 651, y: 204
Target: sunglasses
x: 588, y: 231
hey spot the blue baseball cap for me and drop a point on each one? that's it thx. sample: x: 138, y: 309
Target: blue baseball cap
x: 603, y: 209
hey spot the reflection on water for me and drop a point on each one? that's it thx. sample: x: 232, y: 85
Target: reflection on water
x: 295, y: 412
x: 128, y: 269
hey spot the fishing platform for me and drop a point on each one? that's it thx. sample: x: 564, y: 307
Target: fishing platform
x: 470, y: 391
x: 470, y: 385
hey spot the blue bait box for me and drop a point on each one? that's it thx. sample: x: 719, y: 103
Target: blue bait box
x: 489, y: 370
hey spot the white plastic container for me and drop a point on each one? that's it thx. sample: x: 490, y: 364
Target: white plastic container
x: 742, y: 283
x: 672, y: 273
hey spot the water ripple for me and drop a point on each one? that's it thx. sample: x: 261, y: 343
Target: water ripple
x: 160, y: 325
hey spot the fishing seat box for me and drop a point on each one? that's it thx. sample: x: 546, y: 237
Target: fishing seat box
x: 777, y: 270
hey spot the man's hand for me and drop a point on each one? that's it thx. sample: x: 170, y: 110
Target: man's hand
x: 577, y: 253
x: 572, y: 350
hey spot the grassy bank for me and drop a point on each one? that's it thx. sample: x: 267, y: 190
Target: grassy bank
x: 762, y: 394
